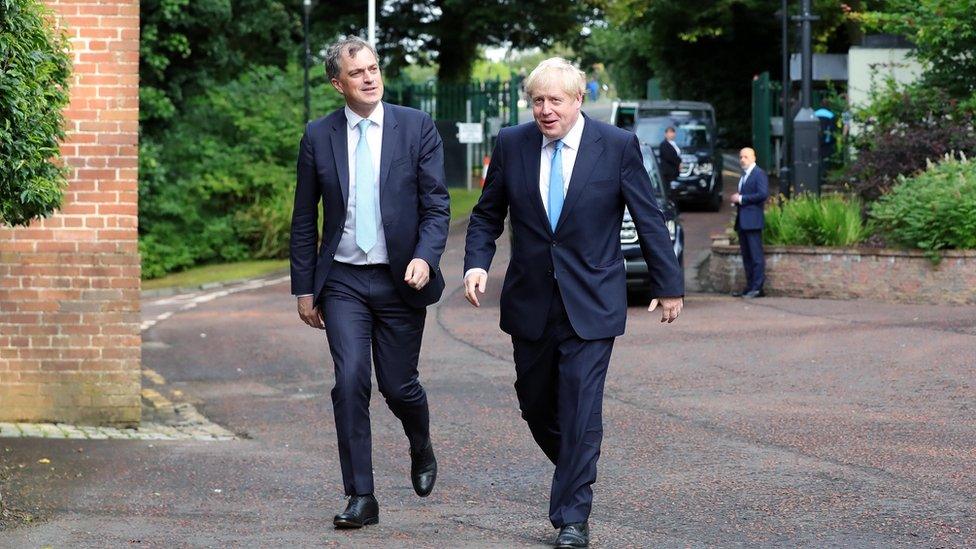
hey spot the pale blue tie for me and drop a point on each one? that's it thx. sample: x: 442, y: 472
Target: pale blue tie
x: 556, y: 184
x: 365, y: 191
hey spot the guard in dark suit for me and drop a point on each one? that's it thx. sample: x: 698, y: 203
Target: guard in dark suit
x: 564, y: 181
x: 670, y: 157
x: 750, y: 218
x: 378, y: 171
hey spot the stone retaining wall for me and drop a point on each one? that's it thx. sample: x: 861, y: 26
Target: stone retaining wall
x: 905, y: 276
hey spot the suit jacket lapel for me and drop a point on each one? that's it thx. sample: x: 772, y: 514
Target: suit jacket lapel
x: 590, y: 151
x: 386, y: 157
x: 340, y: 153
x: 531, y: 157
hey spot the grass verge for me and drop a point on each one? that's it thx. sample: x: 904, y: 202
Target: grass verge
x: 462, y: 202
x: 222, y: 272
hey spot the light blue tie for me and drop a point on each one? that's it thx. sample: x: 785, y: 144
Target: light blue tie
x: 365, y: 191
x: 556, y: 185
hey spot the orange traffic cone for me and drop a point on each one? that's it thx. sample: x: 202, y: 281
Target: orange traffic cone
x: 484, y: 169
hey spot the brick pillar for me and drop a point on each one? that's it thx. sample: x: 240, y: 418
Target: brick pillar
x: 69, y: 284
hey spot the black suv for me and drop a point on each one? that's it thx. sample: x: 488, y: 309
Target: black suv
x: 700, y: 177
x: 638, y: 278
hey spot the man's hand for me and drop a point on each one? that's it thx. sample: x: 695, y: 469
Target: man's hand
x: 418, y: 274
x: 309, y: 313
x: 475, y: 281
x: 670, y: 307
x: 736, y: 198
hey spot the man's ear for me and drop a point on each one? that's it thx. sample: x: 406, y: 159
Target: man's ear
x: 337, y: 85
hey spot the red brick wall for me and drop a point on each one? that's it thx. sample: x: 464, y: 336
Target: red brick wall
x: 69, y: 284
x: 886, y: 275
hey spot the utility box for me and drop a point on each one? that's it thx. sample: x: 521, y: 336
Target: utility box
x: 806, y: 152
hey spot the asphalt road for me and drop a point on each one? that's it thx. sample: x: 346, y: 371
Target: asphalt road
x: 777, y: 422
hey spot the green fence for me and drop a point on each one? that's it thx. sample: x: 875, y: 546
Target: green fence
x: 493, y: 103
x: 767, y: 103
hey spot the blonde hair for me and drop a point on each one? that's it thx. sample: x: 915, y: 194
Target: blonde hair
x: 559, y: 73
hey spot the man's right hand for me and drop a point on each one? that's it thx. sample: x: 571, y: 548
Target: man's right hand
x: 474, y: 281
x: 309, y: 313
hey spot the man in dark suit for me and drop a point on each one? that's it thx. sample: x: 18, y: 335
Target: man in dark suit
x: 670, y: 157
x: 564, y: 181
x: 378, y: 170
x: 750, y: 219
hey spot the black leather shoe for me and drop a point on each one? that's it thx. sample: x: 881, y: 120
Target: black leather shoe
x: 423, y: 470
x: 754, y: 294
x: 574, y: 535
x: 360, y: 511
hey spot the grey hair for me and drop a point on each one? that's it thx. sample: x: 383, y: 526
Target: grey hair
x: 349, y: 45
x: 557, y: 73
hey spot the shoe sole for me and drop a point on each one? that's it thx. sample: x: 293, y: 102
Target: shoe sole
x: 349, y: 525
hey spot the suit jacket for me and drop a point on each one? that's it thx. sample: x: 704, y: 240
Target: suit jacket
x: 670, y: 162
x: 414, y: 203
x: 750, y: 215
x: 583, y: 254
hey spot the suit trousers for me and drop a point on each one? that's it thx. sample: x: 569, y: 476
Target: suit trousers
x: 559, y: 384
x: 365, y: 318
x: 753, y: 260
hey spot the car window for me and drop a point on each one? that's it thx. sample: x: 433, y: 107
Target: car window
x: 689, y: 132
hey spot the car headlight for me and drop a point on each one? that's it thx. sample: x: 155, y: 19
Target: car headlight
x: 705, y: 168
x: 672, y: 228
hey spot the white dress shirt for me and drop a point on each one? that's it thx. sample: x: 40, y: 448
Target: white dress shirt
x: 571, y: 144
x: 348, y: 251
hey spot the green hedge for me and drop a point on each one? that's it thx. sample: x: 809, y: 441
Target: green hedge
x: 932, y: 211
x: 830, y: 220
x: 218, y: 184
x: 34, y: 71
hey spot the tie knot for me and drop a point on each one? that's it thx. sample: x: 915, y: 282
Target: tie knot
x: 558, y: 144
x: 363, y: 126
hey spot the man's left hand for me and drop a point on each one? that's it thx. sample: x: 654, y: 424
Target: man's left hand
x: 418, y: 274
x: 736, y: 198
x: 670, y: 307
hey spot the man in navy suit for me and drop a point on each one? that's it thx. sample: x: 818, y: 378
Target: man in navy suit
x: 750, y: 219
x: 564, y: 181
x: 378, y: 170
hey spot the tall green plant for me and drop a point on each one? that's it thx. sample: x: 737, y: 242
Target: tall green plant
x: 808, y: 220
x: 34, y: 71
x: 933, y: 211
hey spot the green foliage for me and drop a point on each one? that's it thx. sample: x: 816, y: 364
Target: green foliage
x: 807, y: 220
x: 903, y: 128
x: 944, y: 34
x: 188, y: 46
x: 933, y: 211
x: 625, y: 52
x: 218, y: 184
x: 34, y: 71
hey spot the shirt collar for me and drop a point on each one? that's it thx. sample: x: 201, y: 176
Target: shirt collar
x: 748, y: 170
x: 376, y: 117
x: 571, y: 139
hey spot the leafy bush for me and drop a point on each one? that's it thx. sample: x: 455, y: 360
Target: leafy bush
x: 905, y: 128
x: 807, y: 220
x: 34, y: 71
x: 218, y: 185
x: 933, y: 211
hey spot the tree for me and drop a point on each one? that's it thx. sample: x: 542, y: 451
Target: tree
x: 34, y: 71
x: 182, y: 53
x: 454, y: 29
